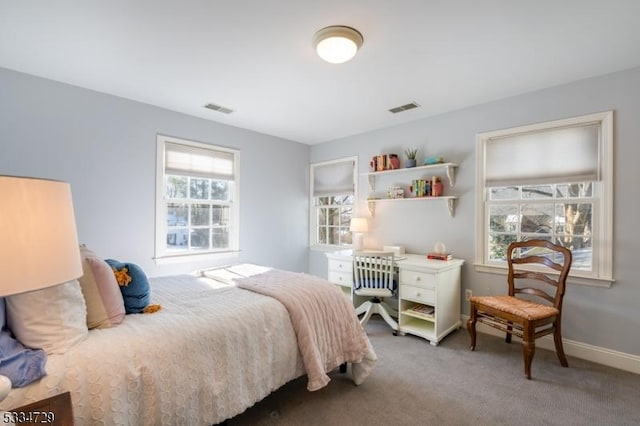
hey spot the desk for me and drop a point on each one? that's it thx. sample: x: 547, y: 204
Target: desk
x: 423, y: 284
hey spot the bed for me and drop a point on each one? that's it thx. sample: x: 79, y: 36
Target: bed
x: 212, y: 351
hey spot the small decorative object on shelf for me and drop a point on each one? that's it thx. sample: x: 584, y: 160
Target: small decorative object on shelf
x: 436, y: 187
x: 384, y: 162
x: 433, y: 160
x: 411, y: 157
x: 395, y: 192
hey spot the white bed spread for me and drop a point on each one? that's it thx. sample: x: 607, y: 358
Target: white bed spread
x: 165, y: 368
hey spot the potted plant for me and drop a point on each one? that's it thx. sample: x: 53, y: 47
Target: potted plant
x: 411, y: 157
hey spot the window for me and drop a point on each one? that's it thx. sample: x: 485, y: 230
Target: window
x: 196, y: 198
x: 551, y: 181
x: 333, y: 190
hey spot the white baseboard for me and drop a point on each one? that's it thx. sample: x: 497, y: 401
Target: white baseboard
x: 599, y: 355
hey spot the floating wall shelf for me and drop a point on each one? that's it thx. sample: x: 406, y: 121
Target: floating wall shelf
x: 448, y: 167
x: 450, y: 200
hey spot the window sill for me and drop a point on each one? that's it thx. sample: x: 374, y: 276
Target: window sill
x: 327, y: 248
x: 192, y: 257
x: 588, y: 281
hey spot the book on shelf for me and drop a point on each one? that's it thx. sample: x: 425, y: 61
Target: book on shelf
x: 423, y: 309
x: 439, y: 256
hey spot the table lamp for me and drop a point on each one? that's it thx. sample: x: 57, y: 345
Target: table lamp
x: 358, y: 227
x: 38, y: 239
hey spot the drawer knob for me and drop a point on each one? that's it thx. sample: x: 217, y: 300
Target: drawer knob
x: 418, y: 294
x: 339, y: 278
x: 417, y: 278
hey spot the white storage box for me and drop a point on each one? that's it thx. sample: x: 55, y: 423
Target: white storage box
x: 397, y: 250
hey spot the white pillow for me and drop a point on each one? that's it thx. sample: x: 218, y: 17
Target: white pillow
x: 53, y: 319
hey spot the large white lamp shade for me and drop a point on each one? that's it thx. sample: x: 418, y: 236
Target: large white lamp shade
x: 39, y: 244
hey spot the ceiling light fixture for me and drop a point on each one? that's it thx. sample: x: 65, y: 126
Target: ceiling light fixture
x: 337, y: 44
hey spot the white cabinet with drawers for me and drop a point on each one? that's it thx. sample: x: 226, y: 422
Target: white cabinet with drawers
x: 429, y: 297
x: 341, y: 271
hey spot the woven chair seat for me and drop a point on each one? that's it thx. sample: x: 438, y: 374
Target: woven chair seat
x: 519, y: 307
x: 374, y: 292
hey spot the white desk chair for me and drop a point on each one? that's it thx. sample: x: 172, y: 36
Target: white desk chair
x: 373, y: 276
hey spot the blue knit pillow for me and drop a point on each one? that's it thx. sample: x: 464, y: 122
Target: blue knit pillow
x: 137, y: 293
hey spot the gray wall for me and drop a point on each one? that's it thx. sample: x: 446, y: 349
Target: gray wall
x: 105, y: 147
x: 608, y: 318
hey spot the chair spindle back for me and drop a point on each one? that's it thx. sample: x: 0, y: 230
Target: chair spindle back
x: 373, y: 270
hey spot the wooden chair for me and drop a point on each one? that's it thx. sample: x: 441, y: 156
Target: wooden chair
x: 525, y: 317
x: 373, y: 277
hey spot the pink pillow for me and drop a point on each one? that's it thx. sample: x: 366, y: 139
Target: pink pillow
x: 105, y: 306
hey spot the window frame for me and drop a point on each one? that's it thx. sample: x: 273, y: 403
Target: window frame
x: 162, y: 255
x: 313, y: 207
x: 602, y: 254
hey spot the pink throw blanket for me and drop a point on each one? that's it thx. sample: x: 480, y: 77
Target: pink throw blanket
x: 326, y: 325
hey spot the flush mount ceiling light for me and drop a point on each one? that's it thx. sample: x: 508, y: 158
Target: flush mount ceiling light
x: 337, y: 44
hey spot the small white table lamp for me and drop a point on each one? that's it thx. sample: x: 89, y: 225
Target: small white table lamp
x: 39, y: 245
x: 357, y: 228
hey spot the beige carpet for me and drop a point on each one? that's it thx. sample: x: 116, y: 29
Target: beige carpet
x: 415, y: 383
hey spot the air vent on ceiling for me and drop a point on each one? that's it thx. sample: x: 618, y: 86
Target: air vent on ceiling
x: 404, y: 107
x: 218, y: 108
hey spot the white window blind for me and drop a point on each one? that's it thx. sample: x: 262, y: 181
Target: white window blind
x: 552, y: 180
x: 192, y: 161
x: 334, y: 178
x: 569, y: 154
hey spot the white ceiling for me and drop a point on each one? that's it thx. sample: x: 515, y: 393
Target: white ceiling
x: 256, y: 56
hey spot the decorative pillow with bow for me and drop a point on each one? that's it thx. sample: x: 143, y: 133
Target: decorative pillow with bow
x: 134, y: 286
